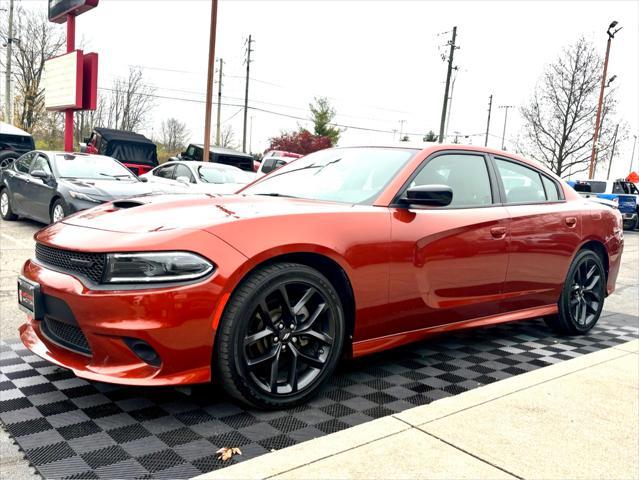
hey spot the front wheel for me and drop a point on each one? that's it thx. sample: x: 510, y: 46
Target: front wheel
x: 58, y: 211
x: 5, y: 206
x: 280, y: 337
x: 582, y: 297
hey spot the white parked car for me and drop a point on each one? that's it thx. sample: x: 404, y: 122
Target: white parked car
x: 269, y: 164
x: 199, y: 177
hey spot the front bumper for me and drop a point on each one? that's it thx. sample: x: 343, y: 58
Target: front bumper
x: 176, y: 322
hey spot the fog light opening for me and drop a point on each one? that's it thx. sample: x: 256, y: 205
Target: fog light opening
x: 144, y: 351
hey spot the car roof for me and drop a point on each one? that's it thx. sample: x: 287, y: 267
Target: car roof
x: 227, y: 151
x: 110, y: 134
x: 8, y: 129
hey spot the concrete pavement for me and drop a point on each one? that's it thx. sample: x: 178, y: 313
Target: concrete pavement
x: 575, y: 419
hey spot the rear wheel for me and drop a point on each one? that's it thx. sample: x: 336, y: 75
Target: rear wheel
x: 582, y: 297
x: 5, y: 206
x: 280, y: 337
x: 7, y: 158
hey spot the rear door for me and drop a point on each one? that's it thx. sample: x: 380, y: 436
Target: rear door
x: 17, y: 178
x: 448, y: 264
x: 545, y: 232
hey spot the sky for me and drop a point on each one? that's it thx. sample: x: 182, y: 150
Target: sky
x: 378, y: 62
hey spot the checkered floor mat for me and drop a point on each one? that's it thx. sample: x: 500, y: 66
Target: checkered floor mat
x: 72, y: 428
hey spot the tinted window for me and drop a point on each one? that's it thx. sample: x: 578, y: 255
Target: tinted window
x: 466, y: 174
x: 617, y: 187
x: 164, y: 172
x: 590, y: 186
x: 41, y: 163
x: 184, y: 171
x: 23, y: 163
x: 522, y: 184
x: 270, y: 164
x: 552, y: 193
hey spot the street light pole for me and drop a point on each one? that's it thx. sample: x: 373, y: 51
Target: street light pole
x: 595, y: 137
x: 451, y: 54
x: 209, y: 83
x: 612, y: 154
x: 490, y: 109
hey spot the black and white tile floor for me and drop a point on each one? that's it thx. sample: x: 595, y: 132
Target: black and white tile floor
x: 72, y: 428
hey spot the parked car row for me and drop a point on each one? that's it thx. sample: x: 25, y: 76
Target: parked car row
x: 621, y: 192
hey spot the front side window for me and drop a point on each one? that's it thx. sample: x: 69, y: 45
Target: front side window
x: 165, y: 172
x: 522, y: 184
x: 184, y: 171
x: 23, y: 163
x: 466, y: 174
x: 348, y: 175
x: 41, y: 163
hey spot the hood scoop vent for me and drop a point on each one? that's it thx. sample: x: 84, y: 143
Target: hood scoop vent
x: 122, y: 204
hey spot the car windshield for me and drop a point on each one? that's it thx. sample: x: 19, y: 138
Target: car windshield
x: 211, y: 174
x: 91, y: 167
x: 349, y: 175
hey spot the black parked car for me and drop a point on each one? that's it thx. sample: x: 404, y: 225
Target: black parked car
x: 13, y: 143
x: 226, y: 156
x: 48, y: 186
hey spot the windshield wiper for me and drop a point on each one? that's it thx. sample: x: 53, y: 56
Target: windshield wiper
x: 117, y: 177
x: 273, y: 194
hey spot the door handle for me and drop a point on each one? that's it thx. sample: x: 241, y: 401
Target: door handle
x: 571, y: 221
x: 498, y: 232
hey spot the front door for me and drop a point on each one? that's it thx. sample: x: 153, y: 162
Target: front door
x: 40, y: 191
x: 449, y: 263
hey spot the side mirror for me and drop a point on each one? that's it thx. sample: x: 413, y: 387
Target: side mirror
x: 143, y: 179
x: 429, y: 195
x: 40, y: 174
x: 184, y: 180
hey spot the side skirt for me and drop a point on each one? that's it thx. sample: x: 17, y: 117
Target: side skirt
x: 366, y: 347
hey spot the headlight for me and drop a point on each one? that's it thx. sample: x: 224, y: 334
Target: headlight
x: 83, y: 196
x: 155, y: 267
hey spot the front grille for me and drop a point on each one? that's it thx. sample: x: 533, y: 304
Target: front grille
x: 89, y: 265
x: 65, y: 335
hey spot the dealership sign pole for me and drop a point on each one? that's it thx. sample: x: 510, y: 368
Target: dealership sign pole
x: 71, y: 80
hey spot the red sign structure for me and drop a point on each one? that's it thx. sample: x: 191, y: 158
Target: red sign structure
x: 61, y: 11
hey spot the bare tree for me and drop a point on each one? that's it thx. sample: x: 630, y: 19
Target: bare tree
x: 130, y: 101
x: 227, y: 138
x: 174, y: 134
x: 560, y: 118
x: 37, y: 41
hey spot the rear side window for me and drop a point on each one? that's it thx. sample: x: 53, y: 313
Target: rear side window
x: 552, y: 193
x: 522, y: 184
x: 466, y: 174
x: 23, y: 163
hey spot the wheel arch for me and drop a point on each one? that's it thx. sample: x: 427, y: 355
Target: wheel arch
x: 599, y: 248
x: 323, y: 263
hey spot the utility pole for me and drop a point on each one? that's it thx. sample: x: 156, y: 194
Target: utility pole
x: 503, y: 134
x: 401, y: 130
x: 442, y: 124
x: 634, y: 144
x: 249, y: 50
x: 450, y: 99
x: 251, y: 136
x: 595, y: 137
x: 612, y: 154
x: 9, y: 117
x: 490, y: 109
x: 219, y: 104
x: 209, y: 83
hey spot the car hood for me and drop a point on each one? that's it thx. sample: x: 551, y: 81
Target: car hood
x: 192, y: 211
x: 107, y: 190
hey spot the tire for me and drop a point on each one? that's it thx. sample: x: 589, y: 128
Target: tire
x: 5, y: 206
x: 632, y: 225
x: 582, y: 296
x: 7, y: 158
x: 249, y: 344
x: 58, y: 208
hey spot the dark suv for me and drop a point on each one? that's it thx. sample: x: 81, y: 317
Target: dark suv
x: 226, y: 156
x: 13, y: 143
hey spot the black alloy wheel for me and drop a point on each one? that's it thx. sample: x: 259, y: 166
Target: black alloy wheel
x: 281, y: 336
x: 583, y: 295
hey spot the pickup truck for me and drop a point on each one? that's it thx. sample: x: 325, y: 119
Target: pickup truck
x: 624, y: 193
